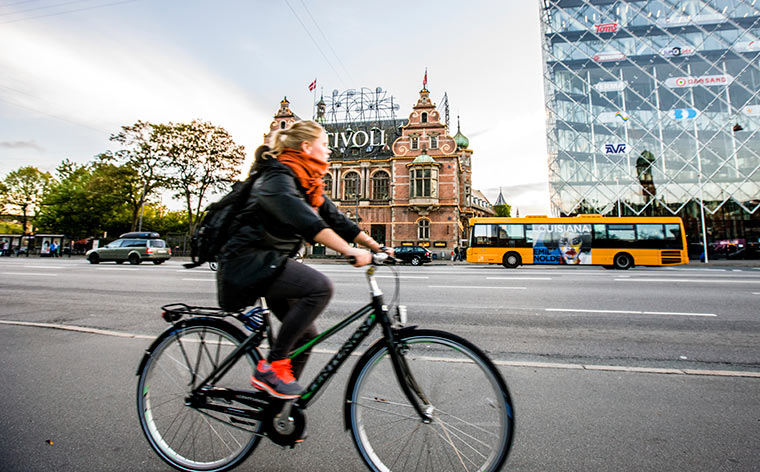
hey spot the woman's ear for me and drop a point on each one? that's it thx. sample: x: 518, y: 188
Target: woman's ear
x: 306, y: 147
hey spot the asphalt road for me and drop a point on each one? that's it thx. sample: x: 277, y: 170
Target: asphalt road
x: 649, y: 369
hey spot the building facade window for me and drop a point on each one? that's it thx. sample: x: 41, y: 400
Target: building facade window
x: 424, y: 117
x: 380, y: 185
x: 423, y: 229
x: 415, y: 142
x: 433, y: 142
x: 282, y: 125
x: 424, y: 181
x: 328, y: 180
x: 351, y: 186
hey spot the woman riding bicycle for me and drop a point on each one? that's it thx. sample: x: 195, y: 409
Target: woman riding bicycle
x: 285, y: 207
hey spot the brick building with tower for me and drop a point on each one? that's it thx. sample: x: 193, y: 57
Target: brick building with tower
x: 405, y: 181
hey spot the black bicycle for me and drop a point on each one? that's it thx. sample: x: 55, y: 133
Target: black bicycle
x: 417, y: 399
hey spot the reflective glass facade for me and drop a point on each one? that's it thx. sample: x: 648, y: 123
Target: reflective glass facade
x: 653, y: 108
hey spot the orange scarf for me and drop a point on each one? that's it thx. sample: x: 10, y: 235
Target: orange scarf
x: 309, y: 172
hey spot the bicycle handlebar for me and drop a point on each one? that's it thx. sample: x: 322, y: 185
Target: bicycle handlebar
x: 378, y: 258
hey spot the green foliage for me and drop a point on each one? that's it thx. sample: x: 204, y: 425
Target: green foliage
x: 23, y: 190
x: 85, y: 201
x: 503, y: 210
x: 10, y: 227
x: 142, y: 154
x: 202, y: 158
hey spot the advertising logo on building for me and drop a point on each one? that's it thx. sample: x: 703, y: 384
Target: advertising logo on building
x: 704, y: 80
x: 684, y: 113
x: 613, y: 116
x: 682, y: 20
x: 620, y: 148
x: 610, y: 86
x: 606, y: 27
x: 678, y: 51
x: 747, y: 46
x: 609, y: 56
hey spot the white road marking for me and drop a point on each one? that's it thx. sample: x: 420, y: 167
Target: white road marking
x: 43, y: 266
x: 475, y: 286
x: 36, y: 274
x: 717, y: 281
x: 201, y: 280
x: 116, y: 268
x: 518, y: 278
x: 630, y: 312
x: 528, y: 364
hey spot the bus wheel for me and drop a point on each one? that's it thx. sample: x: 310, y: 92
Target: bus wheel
x: 511, y: 260
x: 623, y: 261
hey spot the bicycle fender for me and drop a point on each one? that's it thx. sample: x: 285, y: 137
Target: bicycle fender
x: 376, y: 346
x: 181, y: 325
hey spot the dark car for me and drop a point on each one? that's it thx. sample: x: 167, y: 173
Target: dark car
x: 133, y: 248
x: 415, y: 255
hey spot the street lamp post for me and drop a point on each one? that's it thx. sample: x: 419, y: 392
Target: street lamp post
x: 617, y: 190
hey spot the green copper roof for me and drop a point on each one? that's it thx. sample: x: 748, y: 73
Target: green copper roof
x: 460, y: 139
x: 423, y: 159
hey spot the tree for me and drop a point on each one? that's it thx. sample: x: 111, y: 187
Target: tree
x: 143, y: 155
x: 202, y: 158
x: 23, y: 189
x: 85, y: 201
x: 504, y: 210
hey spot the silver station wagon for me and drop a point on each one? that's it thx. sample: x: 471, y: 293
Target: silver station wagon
x: 133, y: 248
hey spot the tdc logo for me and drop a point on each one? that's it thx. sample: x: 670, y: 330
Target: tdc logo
x: 615, y: 148
x: 684, y: 113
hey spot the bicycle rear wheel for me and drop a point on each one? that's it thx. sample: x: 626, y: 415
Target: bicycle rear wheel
x: 189, y: 438
x: 472, y: 418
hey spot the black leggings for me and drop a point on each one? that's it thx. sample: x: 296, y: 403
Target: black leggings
x: 296, y: 297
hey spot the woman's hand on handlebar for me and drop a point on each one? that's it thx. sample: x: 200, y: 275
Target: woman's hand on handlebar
x: 359, y: 257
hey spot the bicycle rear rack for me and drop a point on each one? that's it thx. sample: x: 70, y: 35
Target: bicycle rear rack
x: 173, y: 312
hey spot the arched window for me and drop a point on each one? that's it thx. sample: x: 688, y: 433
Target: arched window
x: 351, y: 186
x: 328, y: 180
x: 423, y: 229
x: 424, y: 118
x: 282, y: 125
x: 380, y: 184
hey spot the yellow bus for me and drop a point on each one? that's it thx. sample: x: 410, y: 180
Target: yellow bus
x: 615, y: 243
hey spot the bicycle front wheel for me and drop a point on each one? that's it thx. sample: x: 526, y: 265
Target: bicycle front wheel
x: 189, y: 438
x: 472, y: 418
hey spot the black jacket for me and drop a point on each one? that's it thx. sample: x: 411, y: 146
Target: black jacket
x: 271, y: 227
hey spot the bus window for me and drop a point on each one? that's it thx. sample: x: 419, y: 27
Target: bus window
x: 512, y: 236
x: 600, y: 232
x: 649, y: 236
x: 673, y: 237
x: 649, y: 232
x: 621, y: 232
x: 485, y: 235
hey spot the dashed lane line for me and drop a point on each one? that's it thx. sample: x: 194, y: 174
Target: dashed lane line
x: 630, y: 312
x: 34, y: 274
x: 700, y: 281
x: 541, y: 365
x: 477, y: 286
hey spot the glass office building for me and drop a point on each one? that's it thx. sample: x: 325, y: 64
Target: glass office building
x: 653, y: 108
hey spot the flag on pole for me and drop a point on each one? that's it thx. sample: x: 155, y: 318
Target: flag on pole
x: 424, y: 81
x: 313, y: 85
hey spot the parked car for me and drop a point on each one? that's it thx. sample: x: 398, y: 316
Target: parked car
x: 415, y: 255
x: 132, y: 247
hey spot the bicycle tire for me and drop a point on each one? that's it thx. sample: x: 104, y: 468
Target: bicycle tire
x: 184, y: 437
x: 472, y: 423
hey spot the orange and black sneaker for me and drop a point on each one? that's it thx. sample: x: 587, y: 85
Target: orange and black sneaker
x: 276, y: 379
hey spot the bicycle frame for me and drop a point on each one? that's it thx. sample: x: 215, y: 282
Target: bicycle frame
x: 375, y: 312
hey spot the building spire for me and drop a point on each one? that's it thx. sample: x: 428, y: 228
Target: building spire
x: 500, y: 199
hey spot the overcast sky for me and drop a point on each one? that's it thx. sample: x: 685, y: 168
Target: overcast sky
x: 75, y: 71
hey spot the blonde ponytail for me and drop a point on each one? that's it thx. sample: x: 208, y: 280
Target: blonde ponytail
x: 291, y: 138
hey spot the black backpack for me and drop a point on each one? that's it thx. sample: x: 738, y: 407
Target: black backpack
x: 212, y: 232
